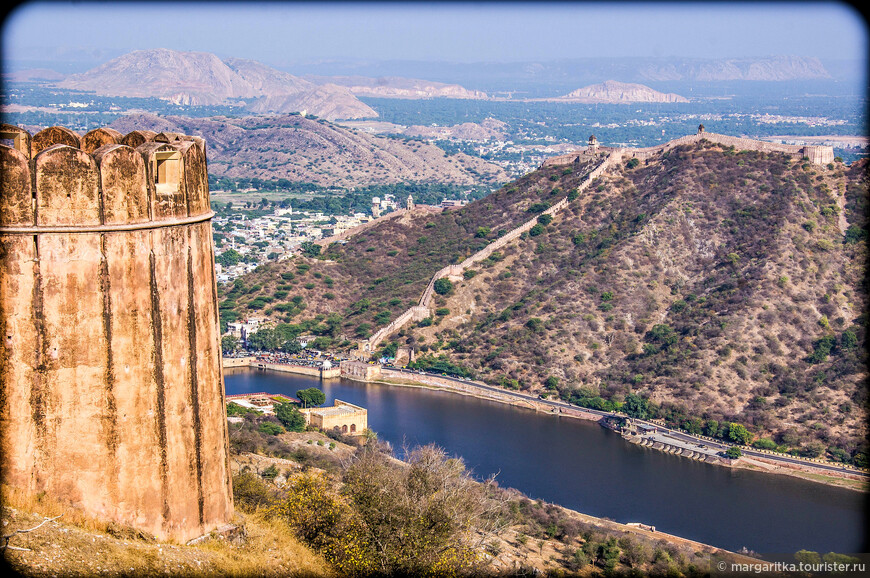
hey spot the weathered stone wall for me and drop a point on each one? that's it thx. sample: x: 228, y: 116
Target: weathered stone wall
x: 231, y: 362
x: 360, y: 371
x: 111, y: 387
x: 309, y: 370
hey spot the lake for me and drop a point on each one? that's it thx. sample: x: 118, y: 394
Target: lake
x: 585, y: 467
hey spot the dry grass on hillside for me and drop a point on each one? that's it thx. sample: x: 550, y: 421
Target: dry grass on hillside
x: 75, y: 545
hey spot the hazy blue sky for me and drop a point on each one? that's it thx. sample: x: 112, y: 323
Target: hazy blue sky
x: 281, y: 32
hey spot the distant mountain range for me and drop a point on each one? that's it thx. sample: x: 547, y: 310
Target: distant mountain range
x: 398, y: 87
x: 200, y: 78
x: 547, y: 79
x: 775, y: 68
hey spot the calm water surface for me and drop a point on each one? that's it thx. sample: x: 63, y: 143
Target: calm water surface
x: 585, y: 467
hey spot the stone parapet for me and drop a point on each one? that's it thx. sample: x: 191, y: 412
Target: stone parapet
x: 57, y: 182
x: 113, y: 397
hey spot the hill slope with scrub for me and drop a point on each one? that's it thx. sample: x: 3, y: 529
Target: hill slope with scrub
x: 705, y: 286
x: 304, y: 149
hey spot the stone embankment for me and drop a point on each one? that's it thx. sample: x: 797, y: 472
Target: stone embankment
x: 679, y: 449
x: 454, y: 272
x: 310, y: 370
x: 396, y: 377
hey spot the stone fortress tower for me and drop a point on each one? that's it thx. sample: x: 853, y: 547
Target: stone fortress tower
x: 111, y: 388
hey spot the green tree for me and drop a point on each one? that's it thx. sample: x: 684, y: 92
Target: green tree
x: 363, y: 330
x: 229, y: 258
x: 662, y: 334
x: 711, y: 428
x: 738, y: 434
x: 271, y: 472
x: 764, y: 444
x: 310, y: 249
x: 229, y: 343
x: 270, y: 428
x: 265, y: 339
x: 733, y: 452
x: 636, y: 406
x: 311, y: 397
x: 807, y: 557
x: 291, y: 346
x: 848, y: 340
x: 609, y: 553
x: 443, y: 286
x: 289, y: 416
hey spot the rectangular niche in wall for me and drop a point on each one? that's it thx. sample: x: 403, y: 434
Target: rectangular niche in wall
x: 168, y: 171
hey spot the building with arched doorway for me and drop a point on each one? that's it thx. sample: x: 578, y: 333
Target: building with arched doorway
x: 350, y: 419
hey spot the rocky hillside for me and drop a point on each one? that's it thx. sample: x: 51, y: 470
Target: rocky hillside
x: 615, y: 92
x: 198, y: 78
x: 303, y: 149
x: 719, y: 286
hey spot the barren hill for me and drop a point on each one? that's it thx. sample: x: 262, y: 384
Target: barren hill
x: 612, y: 91
x: 198, y: 78
x: 303, y: 149
x: 721, y: 286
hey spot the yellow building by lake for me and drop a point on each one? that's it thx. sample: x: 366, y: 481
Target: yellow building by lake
x: 350, y: 419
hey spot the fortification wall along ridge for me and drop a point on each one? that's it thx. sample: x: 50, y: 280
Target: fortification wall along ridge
x: 816, y: 154
x: 111, y: 387
x: 819, y: 155
x: 423, y: 308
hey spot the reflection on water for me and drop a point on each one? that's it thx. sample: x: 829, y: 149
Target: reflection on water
x: 582, y: 466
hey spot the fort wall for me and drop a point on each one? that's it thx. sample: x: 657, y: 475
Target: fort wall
x: 816, y: 154
x: 455, y: 271
x: 360, y: 371
x: 111, y: 387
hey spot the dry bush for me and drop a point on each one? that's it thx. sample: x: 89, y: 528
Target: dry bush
x: 429, y: 516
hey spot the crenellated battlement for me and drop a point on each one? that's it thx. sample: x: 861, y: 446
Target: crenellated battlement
x: 56, y: 178
x: 110, y: 371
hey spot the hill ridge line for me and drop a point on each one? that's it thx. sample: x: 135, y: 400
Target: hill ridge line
x: 817, y: 154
